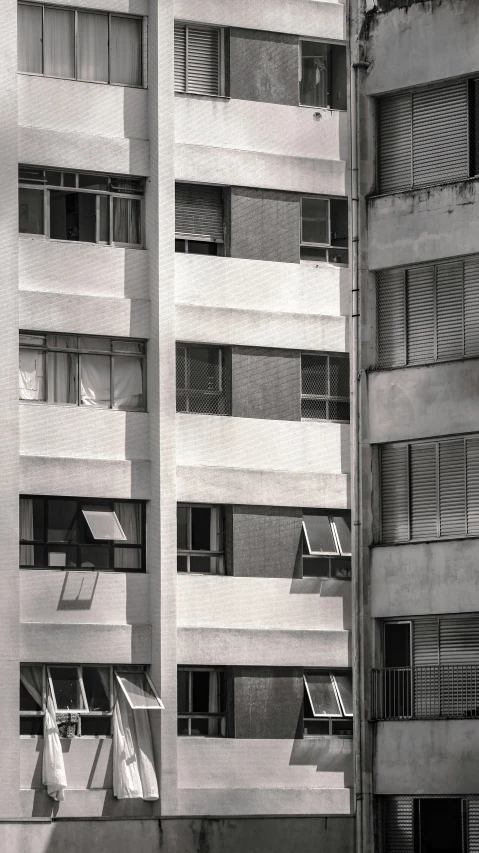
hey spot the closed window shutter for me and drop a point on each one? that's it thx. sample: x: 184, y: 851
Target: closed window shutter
x: 398, y: 825
x: 423, y: 472
x: 395, y: 133
x: 450, y: 310
x: 199, y: 211
x: 203, y: 60
x: 452, y: 488
x: 459, y: 640
x: 472, y: 484
x: 440, y: 134
x: 391, y: 318
x: 394, y: 493
x: 180, y: 57
x: 420, y: 315
x: 426, y: 654
x: 473, y: 826
x: 471, y: 306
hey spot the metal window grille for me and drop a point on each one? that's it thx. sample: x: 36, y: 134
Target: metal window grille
x: 198, y: 59
x: 425, y: 692
x: 399, y: 822
x: 201, y: 380
x: 325, y: 387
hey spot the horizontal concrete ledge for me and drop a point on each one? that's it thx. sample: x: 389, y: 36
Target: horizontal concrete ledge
x: 84, y: 315
x: 204, y: 484
x: 89, y: 803
x: 269, y: 801
x: 85, y: 643
x: 83, y: 151
x: 94, y: 478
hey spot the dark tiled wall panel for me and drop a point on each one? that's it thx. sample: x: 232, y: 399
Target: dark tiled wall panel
x: 266, y: 383
x: 264, y: 67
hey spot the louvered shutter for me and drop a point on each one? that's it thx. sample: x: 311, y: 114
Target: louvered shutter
x: 473, y: 826
x: 203, y: 60
x: 452, y: 487
x: 391, y: 318
x: 459, y: 658
x: 398, y: 825
x: 472, y: 484
x: 426, y: 661
x: 420, y: 315
x: 471, y: 305
x: 450, y: 310
x: 395, y: 141
x: 199, y: 211
x: 423, y: 473
x: 180, y: 57
x: 394, y: 493
x: 440, y: 134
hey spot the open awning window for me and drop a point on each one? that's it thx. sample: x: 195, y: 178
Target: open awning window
x: 104, y: 524
x: 330, y: 695
x: 327, y: 534
x: 139, y: 691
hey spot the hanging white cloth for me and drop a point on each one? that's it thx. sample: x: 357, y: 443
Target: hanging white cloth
x: 95, y: 380
x: 53, y: 768
x: 92, y: 47
x: 134, y: 775
x: 30, y: 38
x: 217, y: 565
x: 125, y: 50
x: 58, y: 42
x: 27, y: 552
x: 129, y: 516
x: 128, y: 382
x: 31, y: 374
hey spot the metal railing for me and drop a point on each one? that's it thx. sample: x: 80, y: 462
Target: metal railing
x: 425, y: 692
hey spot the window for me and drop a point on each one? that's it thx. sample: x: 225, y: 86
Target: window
x: 322, y: 80
x: 328, y: 703
x: 199, y: 219
x: 430, y: 490
x: 201, y: 702
x: 325, y: 387
x: 324, y: 230
x: 199, y: 65
x: 81, y: 207
x: 200, y: 539
x: 82, y: 371
x: 429, y: 824
x: 80, y: 45
x: 83, y: 696
x: 326, y: 545
x: 79, y: 533
x: 201, y: 380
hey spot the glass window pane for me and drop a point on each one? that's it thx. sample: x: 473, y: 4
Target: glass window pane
x: 183, y: 726
x: 316, y: 727
x: 69, y: 179
x: 30, y: 39
x: 314, y: 409
x: 200, y: 727
x: 53, y: 178
x: 129, y: 346
x: 138, y: 690
x: 66, y: 687
x: 62, y: 378
x: 104, y: 524
x: 315, y: 567
x: 33, y: 340
x: 30, y: 211
x: 30, y: 175
x: 320, y: 537
x: 62, y: 556
x: 31, y: 519
x: 31, y: 376
x: 31, y: 726
x: 95, y: 557
x: 314, y: 74
x: 201, y: 691
x: 92, y: 343
x: 61, y: 520
x: 92, y: 181
x: 96, y: 681
x: 183, y: 680
x: 59, y: 42
x: 201, y: 528
x: 95, y: 380
x: 92, y: 47
x: 99, y: 726
x: 31, y: 688
x: 315, y: 220
x: 345, y: 688
x: 321, y: 695
x: 341, y: 568
x: 203, y: 368
x: 342, y: 727
x: 339, y: 222
x: 128, y: 382
x: 182, y: 527
x: 127, y: 559
x: 104, y: 235
x: 129, y: 515
x: 182, y: 563
x: 314, y: 374
x: 204, y: 565
x: 127, y: 221
x: 32, y: 556
x: 338, y: 411
x: 126, y: 50
x: 343, y: 528
x: 339, y: 376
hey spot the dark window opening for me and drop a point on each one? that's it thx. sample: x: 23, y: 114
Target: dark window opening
x: 200, y: 539
x: 201, y: 702
x: 438, y: 825
x: 323, y: 75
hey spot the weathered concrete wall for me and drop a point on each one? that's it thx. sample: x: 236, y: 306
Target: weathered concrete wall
x: 258, y: 693
x: 93, y: 478
x: 266, y: 383
x: 266, y: 542
x: 264, y: 66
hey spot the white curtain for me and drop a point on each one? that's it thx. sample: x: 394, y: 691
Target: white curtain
x: 31, y: 375
x: 128, y: 382
x: 126, y: 51
x: 95, y: 380
x: 27, y: 552
x: 216, y: 725
x: 61, y: 372
x: 217, y: 565
x: 92, y: 41
x: 59, y: 42
x: 129, y: 516
x: 126, y: 220
x: 134, y: 775
x: 30, y: 39
x: 53, y: 769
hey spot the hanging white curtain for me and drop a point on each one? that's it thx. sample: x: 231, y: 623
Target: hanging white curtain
x: 95, y: 380
x: 27, y: 552
x: 61, y: 372
x: 217, y: 565
x: 53, y: 768
x: 216, y: 725
x: 134, y: 775
x: 30, y: 39
x: 92, y: 47
x: 31, y: 375
x: 126, y: 51
x: 128, y: 382
x: 129, y: 516
x: 126, y: 220
x: 59, y: 42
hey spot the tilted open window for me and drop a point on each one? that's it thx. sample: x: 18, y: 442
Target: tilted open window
x: 139, y: 690
x: 328, y: 703
x: 327, y: 544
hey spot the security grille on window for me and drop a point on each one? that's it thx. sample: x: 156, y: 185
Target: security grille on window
x: 200, y: 539
x: 80, y: 45
x: 430, y: 490
x: 426, y: 824
x: 80, y: 206
x: 74, y: 533
x: 325, y: 387
x: 328, y: 703
x: 322, y: 75
x: 201, y: 702
x: 82, y: 371
x: 201, y: 380
x: 428, y: 313
x: 324, y: 230
x: 198, y: 59
x: 83, y: 696
x: 326, y: 545
x: 199, y: 219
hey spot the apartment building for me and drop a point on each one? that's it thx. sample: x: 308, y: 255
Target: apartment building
x: 417, y: 463
x: 175, y: 526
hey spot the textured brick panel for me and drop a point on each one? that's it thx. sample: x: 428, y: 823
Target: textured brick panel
x: 264, y: 225
x: 259, y: 693
x: 264, y: 67
x: 266, y: 541
x: 266, y: 384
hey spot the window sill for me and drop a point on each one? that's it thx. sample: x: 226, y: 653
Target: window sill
x: 323, y: 264
x: 328, y: 737
x: 75, y: 80
x: 322, y: 109
x: 24, y: 234
x: 71, y: 406
x: 203, y: 96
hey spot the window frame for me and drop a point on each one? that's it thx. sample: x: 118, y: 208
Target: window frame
x: 331, y: 556
x: 328, y: 247
x: 110, y: 15
x: 190, y: 552
x: 191, y: 715
x: 107, y: 545
x: 337, y: 694
x: 186, y: 392
x: 328, y: 398
x: 221, y: 59
x: 329, y: 44
x: 42, y: 186
x: 122, y: 671
x: 77, y: 351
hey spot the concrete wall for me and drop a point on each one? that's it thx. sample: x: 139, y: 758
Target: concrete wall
x: 264, y: 225
x: 266, y: 542
x: 265, y: 383
x: 94, y: 478
x: 60, y: 642
x: 259, y: 693
x: 90, y: 315
x: 263, y: 66
x: 427, y: 757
